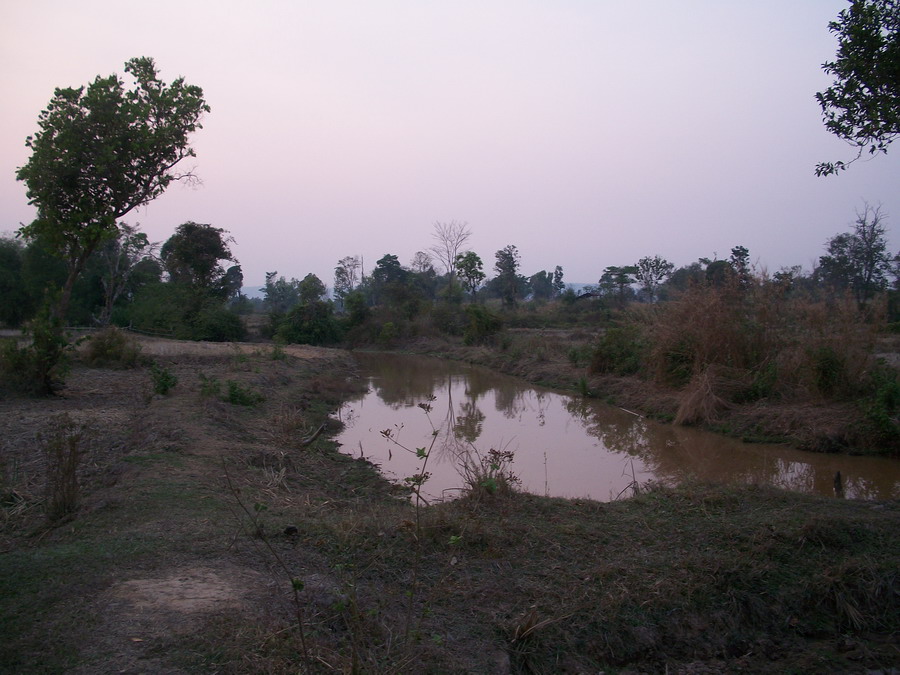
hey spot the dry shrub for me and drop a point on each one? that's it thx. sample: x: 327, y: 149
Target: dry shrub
x: 738, y: 345
x: 705, y: 398
x: 112, y: 348
x: 63, y: 445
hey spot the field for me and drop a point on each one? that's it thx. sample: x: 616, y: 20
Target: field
x: 211, y: 529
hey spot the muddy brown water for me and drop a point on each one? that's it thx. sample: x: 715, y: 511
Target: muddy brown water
x: 563, y: 445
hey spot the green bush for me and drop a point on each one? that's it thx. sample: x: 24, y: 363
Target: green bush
x: 37, y: 369
x: 619, y: 351
x: 163, y: 380
x: 215, y: 323
x: 312, y: 323
x: 240, y: 395
x: 482, y: 325
x: 829, y: 371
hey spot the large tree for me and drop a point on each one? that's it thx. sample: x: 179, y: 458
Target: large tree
x: 862, y: 106
x: 102, y: 151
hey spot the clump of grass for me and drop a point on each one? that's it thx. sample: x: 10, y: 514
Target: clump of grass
x: 490, y: 474
x: 238, y: 394
x: 112, y: 348
x: 210, y: 386
x: 63, y: 447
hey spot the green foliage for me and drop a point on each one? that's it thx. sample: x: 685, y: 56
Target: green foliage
x: 449, y: 319
x: 312, y: 323
x: 862, y: 106
x: 215, y: 323
x: 388, y: 334
x: 651, y: 272
x: 240, y: 395
x: 102, y: 152
x: 192, y: 258
x: 112, y: 347
x: 881, y: 427
x: 38, y: 368
x: 829, y: 371
x: 482, y: 326
x: 162, y: 379
x: 470, y: 268
x: 619, y: 351
x: 507, y: 279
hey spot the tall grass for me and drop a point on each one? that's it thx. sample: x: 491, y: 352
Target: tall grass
x: 729, y: 345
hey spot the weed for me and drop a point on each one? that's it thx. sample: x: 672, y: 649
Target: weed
x: 278, y: 353
x: 490, y: 474
x: 583, y: 387
x: 240, y: 395
x: 163, y: 380
x: 63, y: 448
x: 210, y: 386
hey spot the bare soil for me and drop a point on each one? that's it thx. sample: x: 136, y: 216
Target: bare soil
x: 210, y: 537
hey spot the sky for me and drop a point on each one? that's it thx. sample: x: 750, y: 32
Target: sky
x: 587, y: 133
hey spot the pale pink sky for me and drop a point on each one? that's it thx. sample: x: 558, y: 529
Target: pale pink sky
x: 588, y: 133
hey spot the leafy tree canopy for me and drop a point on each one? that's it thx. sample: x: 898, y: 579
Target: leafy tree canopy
x: 102, y: 151
x: 192, y: 257
x: 862, y: 106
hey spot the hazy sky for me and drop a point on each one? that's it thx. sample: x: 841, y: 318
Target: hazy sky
x: 587, y: 133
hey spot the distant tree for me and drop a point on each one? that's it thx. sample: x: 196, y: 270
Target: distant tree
x: 120, y: 258
x: 450, y: 239
x: 421, y: 263
x: 311, y: 289
x: 471, y: 271
x: 507, y: 268
x: 559, y: 286
x: 682, y: 278
x: 720, y: 273
x: 280, y: 295
x: 859, y: 260
x: 192, y: 257
x: 862, y: 106
x: 617, y: 281
x: 651, y: 272
x: 346, y: 276
x: 541, y: 285
x: 739, y: 260
x: 786, y: 278
x: 101, y: 153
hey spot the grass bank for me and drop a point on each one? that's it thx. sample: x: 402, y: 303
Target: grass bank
x: 213, y: 534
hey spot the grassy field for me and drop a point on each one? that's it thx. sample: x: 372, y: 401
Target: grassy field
x: 211, y: 534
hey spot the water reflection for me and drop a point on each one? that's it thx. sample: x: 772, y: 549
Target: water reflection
x: 565, y: 445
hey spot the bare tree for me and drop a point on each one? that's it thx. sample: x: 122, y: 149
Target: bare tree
x: 421, y: 262
x: 120, y: 257
x: 450, y: 238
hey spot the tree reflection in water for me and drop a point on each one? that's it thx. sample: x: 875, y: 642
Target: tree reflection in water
x: 569, y: 446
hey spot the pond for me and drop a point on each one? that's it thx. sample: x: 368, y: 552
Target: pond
x: 563, y: 444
